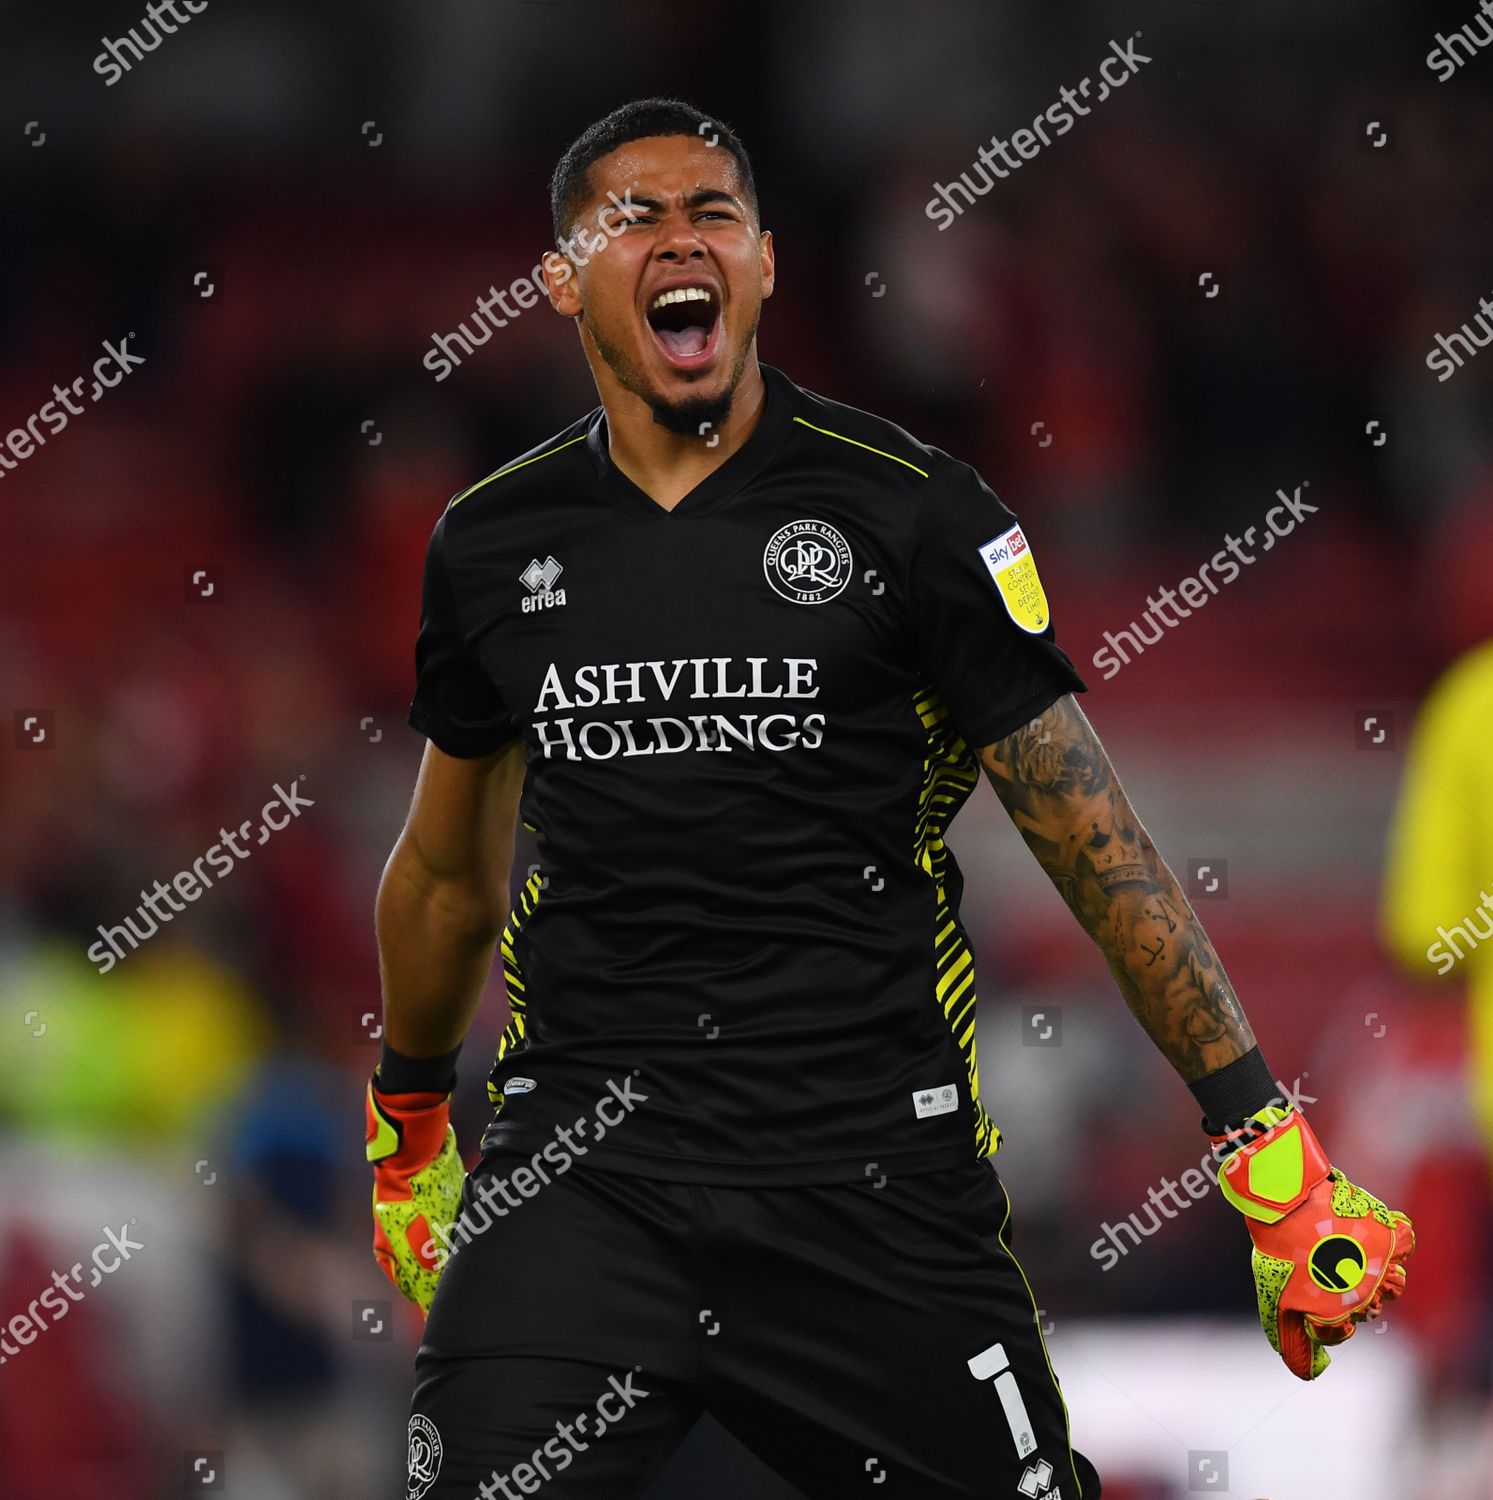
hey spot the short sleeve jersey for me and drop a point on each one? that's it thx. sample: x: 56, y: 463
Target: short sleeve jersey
x: 747, y: 725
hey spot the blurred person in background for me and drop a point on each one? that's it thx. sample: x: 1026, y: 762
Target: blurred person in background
x: 1436, y: 917
x: 1438, y: 887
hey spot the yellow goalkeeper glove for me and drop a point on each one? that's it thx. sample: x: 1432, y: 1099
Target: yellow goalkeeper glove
x: 1327, y: 1255
x: 417, y: 1181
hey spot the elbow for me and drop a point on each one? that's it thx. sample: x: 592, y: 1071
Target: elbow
x: 469, y: 918
x: 466, y: 909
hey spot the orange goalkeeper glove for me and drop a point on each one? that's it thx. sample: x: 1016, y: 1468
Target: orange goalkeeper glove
x: 1327, y: 1255
x: 417, y: 1181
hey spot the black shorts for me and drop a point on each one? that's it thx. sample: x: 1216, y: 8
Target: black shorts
x: 863, y: 1340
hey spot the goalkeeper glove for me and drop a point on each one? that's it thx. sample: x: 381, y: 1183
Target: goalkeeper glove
x: 1326, y: 1255
x: 417, y: 1181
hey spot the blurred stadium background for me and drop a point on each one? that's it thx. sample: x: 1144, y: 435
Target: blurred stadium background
x: 280, y: 205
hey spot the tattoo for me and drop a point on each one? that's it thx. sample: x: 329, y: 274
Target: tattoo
x: 1058, y: 786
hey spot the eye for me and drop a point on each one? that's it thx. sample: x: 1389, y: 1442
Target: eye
x: 612, y: 221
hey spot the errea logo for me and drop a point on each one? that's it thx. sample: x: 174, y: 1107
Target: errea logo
x: 1034, y: 1482
x: 540, y: 577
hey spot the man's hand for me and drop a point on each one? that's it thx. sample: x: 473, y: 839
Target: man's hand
x: 417, y: 1180
x: 1327, y: 1255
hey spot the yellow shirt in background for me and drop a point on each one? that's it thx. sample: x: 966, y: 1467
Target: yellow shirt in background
x: 1437, y: 914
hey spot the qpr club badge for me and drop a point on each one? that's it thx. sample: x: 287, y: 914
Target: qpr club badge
x: 424, y: 1456
x: 807, y: 562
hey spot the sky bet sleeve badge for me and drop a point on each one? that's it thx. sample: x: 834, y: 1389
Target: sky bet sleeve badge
x: 1014, y: 570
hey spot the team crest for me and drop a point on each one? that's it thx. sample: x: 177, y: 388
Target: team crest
x: 807, y: 562
x: 1009, y: 559
x: 425, y: 1456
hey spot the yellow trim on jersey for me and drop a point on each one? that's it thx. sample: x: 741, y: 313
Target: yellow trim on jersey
x: 514, y: 468
x: 866, y: 446
x: 950, y: 774
x: 516, y: 1029
x: 1000, y: 1239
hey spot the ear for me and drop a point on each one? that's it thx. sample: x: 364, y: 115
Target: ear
x: 766, y: 259
x: 560, y: 284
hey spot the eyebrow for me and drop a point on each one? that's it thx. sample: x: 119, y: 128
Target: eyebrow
x: 696, y: 199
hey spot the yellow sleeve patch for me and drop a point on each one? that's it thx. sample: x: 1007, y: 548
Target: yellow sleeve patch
x: 1014, y: 569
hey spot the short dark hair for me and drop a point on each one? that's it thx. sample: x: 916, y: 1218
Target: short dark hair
x: 570, y: 186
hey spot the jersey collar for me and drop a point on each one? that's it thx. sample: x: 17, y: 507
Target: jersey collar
x: 720, y: 484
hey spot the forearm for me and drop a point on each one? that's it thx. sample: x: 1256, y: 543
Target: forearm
x: 437, y: 935
x: 1164, y: 963
x: 1061, y: 792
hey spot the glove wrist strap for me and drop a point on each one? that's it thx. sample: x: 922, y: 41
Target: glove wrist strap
x: 1274, y: 1162
x: 405, y: 1128
x: 1234, y: 1092
x: 398, y: 1073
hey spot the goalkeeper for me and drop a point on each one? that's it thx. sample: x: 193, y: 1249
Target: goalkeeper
x: 743, y: 685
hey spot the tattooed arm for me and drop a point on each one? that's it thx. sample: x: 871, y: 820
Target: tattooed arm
x: 1056, y: 782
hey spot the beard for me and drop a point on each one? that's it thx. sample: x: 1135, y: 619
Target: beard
x: 695, y: 415
x: 689, y: 416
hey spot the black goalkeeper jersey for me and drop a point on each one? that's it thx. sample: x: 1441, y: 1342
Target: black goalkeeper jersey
x: 748, y: 723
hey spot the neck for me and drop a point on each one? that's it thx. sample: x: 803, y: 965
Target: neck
x: 665, y: 465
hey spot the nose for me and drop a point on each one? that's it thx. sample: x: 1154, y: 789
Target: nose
x: 679, y: 240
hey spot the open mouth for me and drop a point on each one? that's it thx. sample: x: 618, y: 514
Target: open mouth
x: 686, y: 323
